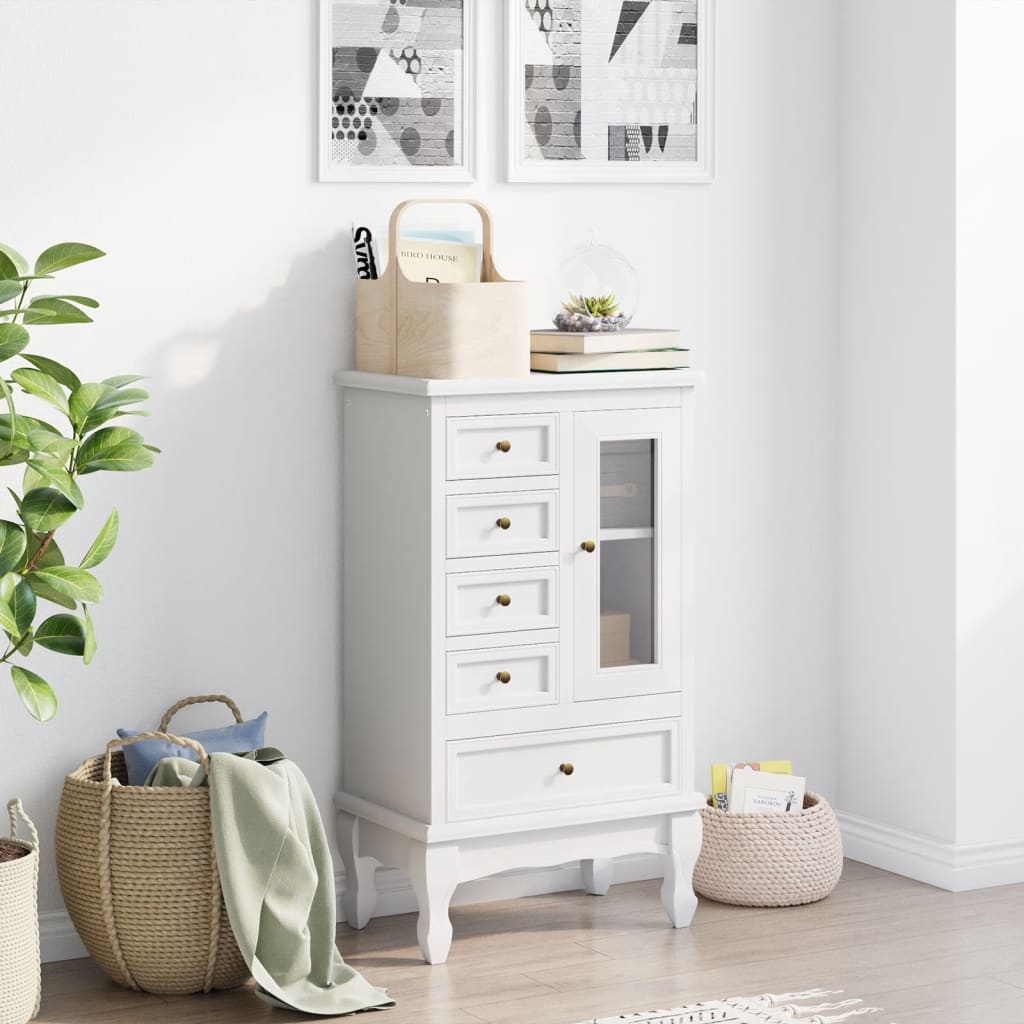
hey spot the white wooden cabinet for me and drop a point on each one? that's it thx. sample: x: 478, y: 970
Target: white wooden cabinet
x: 518, y: 644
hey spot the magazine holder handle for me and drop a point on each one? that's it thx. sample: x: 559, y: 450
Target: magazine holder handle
x: 487, y: 265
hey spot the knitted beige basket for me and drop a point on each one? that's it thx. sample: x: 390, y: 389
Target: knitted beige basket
x: 138, y: 872
x: 770, y: 860
x: 19, y: 925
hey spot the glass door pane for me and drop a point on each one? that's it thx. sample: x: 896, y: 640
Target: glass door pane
x: 627, y: 544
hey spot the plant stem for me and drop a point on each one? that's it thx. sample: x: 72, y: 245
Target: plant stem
x: 40, y: 551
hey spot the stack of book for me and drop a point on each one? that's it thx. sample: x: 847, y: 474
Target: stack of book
x: 586, y: 352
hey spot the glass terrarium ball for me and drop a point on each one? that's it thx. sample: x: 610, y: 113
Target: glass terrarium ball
x: 596, y: 289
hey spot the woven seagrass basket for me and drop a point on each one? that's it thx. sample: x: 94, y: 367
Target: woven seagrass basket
x: 19, y: 925
x: 770, y: 860
x: 138, y: 872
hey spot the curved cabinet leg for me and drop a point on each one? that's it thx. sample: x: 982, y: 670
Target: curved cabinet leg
x: 434, y: 872
x: 677, y: 895
x: 597, y: 875
x: 359, y: 898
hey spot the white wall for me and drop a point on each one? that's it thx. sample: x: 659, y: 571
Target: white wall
x: 990, y: 418
x: 896, y: 537
x: 180, y: 138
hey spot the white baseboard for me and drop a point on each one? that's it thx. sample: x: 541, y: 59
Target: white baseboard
x: 956, y: 868
x: 59, y: 941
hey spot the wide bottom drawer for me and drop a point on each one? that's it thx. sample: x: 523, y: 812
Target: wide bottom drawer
x: 493, y: 777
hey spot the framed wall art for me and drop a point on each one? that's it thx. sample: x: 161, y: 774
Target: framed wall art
x: 610, y: 90
x: 396, y: 90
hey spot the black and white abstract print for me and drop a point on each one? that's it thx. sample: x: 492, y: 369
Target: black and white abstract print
x: 611, y: 81
x: 396, y: 73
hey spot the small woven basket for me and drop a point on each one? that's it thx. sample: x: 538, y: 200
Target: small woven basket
x: 770, y: 860
x: 138, y: 872
x: 19, y: 925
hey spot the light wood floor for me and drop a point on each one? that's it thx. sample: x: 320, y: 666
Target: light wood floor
x: 559, y: 959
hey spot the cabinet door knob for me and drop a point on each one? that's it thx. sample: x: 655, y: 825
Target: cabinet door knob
x: 504, y: 446
x: 504, y: 677
x: 504, y: 600
x: 503, y: 523
x: 589, y: 546
x: 566, y: 768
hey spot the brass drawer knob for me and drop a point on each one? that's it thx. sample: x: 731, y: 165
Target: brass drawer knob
x: 566, y: 768
x: 503, y: 523
x: 504, y: 600
x: 589, y: 546
x: 504, y: 446
x: 505, y: 677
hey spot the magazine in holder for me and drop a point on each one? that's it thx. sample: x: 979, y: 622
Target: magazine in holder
x: 442, y: 331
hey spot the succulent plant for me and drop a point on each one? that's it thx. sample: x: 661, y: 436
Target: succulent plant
x: 591, y: 305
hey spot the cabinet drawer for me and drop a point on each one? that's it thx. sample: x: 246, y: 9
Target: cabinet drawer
x: 493, y: 777
x: 497, y: 524
x: 503, y: 678
x: 500, y: 446
x: 503, y: 600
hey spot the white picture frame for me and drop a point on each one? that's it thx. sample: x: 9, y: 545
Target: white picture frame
x: 353, y: 25
x: 521, y: 43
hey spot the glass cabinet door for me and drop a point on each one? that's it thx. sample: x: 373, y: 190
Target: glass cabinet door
x: 627, y: 513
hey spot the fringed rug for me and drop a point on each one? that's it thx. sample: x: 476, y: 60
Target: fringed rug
x: 788, y: 1008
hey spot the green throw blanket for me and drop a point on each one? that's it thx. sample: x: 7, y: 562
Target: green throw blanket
x: 278, y: 880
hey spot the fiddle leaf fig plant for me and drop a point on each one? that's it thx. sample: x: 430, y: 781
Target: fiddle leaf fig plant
x: 76, y: 435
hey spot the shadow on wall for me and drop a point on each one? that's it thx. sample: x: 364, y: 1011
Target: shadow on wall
x: 248, y: 496
x: 227, y: 575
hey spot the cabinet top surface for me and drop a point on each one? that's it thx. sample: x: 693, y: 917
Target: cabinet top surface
x: 536, y: 383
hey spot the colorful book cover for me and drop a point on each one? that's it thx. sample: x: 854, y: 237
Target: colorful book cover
x: 721, y: 777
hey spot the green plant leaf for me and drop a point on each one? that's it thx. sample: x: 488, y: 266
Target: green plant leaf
x: 108, y: 405
x: 56, y: 475
x: 35, y: 692
x: 123, y: 380
x: 10, y: 420
x: 12, y: 546
x: 71, y: 581
x: 124, y: 458
x: 13, y: 338
x: 7, y: 621
x: 62, y: 633
x: 78, y: 300
x: 51, y: 444
x: 60, y: 373
x: 113, y: 448
x: 64, y: 255
x: 101, y: 441
x: 43, y: 386
x: 9, y: 289
x: 45, y: 593
x: 20, y: 598
x: 45, y: 509
x: 90, y: 636
x: 103, y: 544
x: 54, y: 311
x: 24, y: 648
x: 85, y: 400
x: 32, y: 480
x: 12, y: 263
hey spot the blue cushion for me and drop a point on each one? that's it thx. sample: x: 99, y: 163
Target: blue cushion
x: 140, y: 758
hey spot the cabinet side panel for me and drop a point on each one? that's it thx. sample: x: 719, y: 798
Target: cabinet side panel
x: 387, y: 601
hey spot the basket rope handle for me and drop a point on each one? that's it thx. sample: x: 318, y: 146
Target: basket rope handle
x: 208, y: 698
x: 486, y: 267
x: 15, y: 811
x: 181, y: 741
